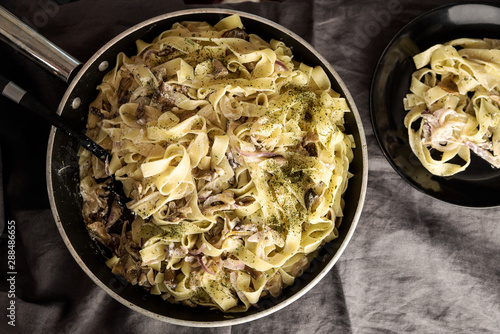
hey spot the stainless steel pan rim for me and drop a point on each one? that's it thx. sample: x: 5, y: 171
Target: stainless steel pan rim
x: 93, y: 65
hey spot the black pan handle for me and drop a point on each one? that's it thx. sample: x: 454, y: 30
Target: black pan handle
x: 20, y: 96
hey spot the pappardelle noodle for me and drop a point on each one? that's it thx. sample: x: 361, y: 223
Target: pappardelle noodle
x: 234, y: 157
x: 454, y: 105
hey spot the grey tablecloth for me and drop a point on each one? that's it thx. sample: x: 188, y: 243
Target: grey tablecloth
x: 413, y: 265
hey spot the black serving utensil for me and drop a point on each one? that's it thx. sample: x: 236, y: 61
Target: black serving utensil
x: 17, y: 94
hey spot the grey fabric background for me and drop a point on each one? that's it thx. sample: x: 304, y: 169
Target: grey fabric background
x: 414, y: 264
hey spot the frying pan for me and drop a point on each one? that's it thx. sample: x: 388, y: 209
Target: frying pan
x: 62, y: 162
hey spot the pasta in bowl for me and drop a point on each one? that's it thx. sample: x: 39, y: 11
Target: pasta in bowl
x: 453, y: 105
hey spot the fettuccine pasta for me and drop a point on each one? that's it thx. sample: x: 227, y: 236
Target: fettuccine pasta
x: 454, y: 105
x: 234, y: 157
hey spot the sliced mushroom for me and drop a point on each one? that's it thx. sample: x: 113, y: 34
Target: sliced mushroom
x: 310, y: 137
x: 252, y: 272
x: 164, y: 95
x: 231, y: 160
x: 309, y: 143
x: 219, y: 70
x: 143, y: 280
x: 137, y: 188
x: 98, y: 231
x: 186, y: 115
x: 127, y: 268
x: 233, y: 278
x: 221, y: 207
x: 245, y: 201
x: 250, y: 66
x: 140, y: 114
x: 201, y: 174
x: 169, y: 278
x: 177, y: 212
x: 214, y: 235
x: 95, y: 202
x: 309, y: 198
x: 175, y: 217
x: 236, y: 33
x: 203, y: 195
x: 314, y: 195
x: 246, y: 228
x: 115, y: 213
x: 132, y: 270
x: 124, y: 89
x: 299, y: 267
x: 226, y: 197
x: 448, y: 85
x: 274, y: 285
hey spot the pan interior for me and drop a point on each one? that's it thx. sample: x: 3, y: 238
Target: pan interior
x: 63, y: 179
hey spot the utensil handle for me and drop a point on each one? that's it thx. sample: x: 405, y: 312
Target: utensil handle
x: 20, y: 96
x: 36, y: 47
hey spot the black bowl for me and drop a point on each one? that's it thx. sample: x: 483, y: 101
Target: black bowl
x: 62, y: 176
x: 478, y: 185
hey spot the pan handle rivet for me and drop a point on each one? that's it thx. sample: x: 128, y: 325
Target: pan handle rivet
x: 76, y: 103
x: 103, y: 66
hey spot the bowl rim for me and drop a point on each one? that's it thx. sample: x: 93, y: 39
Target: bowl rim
x: 409, y: 27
